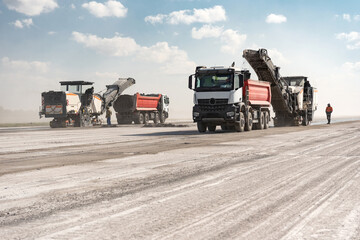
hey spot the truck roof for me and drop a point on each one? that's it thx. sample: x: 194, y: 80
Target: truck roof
x: 76, y: 83
x: 295, y: 77
x: 217, y: 68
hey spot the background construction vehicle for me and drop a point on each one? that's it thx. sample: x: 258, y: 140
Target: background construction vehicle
x: 140, y: 108
x: 77, y: 104
x: 294, y: 100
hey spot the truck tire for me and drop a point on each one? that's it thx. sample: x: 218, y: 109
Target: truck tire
x: 249, y: 122
x: 212, y: 128
x: 240, y: 125
x: 156, y: 118
x: 52, y: 124
x: 305, y: 120
x: 267, y: 119
x: 162, y: 117
x: 63, y: 123
x: 146, y: 118
x: 201, y: 127
x: 139, y: 119
x: 260, y: 124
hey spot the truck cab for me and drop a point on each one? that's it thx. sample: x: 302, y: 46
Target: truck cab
x: 227, y: 97
x: 164, y: 106
x: 216, y: 90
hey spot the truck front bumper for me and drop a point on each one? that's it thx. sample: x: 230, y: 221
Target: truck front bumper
x: 214, y: 113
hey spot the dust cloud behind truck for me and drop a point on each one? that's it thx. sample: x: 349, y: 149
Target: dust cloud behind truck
x: 141, y: 108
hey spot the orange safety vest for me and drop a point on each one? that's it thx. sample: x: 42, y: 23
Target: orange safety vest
x: 329, y: 109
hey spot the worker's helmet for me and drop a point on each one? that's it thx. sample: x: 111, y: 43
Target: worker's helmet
x: 328, y: 104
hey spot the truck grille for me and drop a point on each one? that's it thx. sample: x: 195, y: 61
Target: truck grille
x: 213, y: 101
x: 212, y: 108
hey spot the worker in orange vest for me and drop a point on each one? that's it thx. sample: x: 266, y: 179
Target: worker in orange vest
x: 328, y: 111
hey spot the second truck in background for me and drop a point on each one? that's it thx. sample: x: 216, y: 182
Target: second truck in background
x: 141, y: 108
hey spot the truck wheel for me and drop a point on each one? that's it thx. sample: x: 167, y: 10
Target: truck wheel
x: 266, y: 120
x: 77, y: 121
x: 140, y: 119
x: 63, y: 123
x: 156, y: 118
x: 201, y: 127
x: 240, y: 125
x: 146, y: 118
x: 260, y: 124
x: 162, y: 117
x: 52, y: 124
x: 224, y: 127
x: 305, y: 120
x: 249, y: 122
x: 212, y: 128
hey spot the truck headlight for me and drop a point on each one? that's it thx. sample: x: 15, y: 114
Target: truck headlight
x: 196, y: 114
x: 230, y: 114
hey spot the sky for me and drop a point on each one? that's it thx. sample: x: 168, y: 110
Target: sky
x: 160, y: 42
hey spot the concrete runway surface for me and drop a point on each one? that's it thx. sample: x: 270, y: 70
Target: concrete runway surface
x: 134, y: 182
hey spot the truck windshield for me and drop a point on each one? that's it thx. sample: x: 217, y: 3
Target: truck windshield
x: 72, y: 88
x: 214, y: 82
x: 296, y: 82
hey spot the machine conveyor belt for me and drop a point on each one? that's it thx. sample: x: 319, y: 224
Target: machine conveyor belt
x: 268, y: 72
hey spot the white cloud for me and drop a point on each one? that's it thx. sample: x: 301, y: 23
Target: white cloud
x: 351, y: 67
x: 172, y: 59
x: 107, y: 75
x: 110, y: 8
x: 232, y: 41
x: 275, y: 18
x: 205, y: 15
x: 51, y: 33
x: 20, y: 65
x: 347, y: 17
x: 31, y: 8
x: 352, y: 38
x: 206, y: 31
x: 155, y: 19
x: 116, y: 46
x: 277, y: 57
x: 23, y: 23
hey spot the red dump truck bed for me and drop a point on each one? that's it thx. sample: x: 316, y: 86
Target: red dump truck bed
x: 147, y: 102
x: 259, y: 92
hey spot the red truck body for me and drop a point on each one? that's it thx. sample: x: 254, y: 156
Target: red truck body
x: 140, y: 108
x: 144, y: 102
x: 259, y: 92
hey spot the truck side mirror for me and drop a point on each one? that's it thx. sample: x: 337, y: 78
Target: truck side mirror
x: 190, y: 81
x: 237, y: 82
